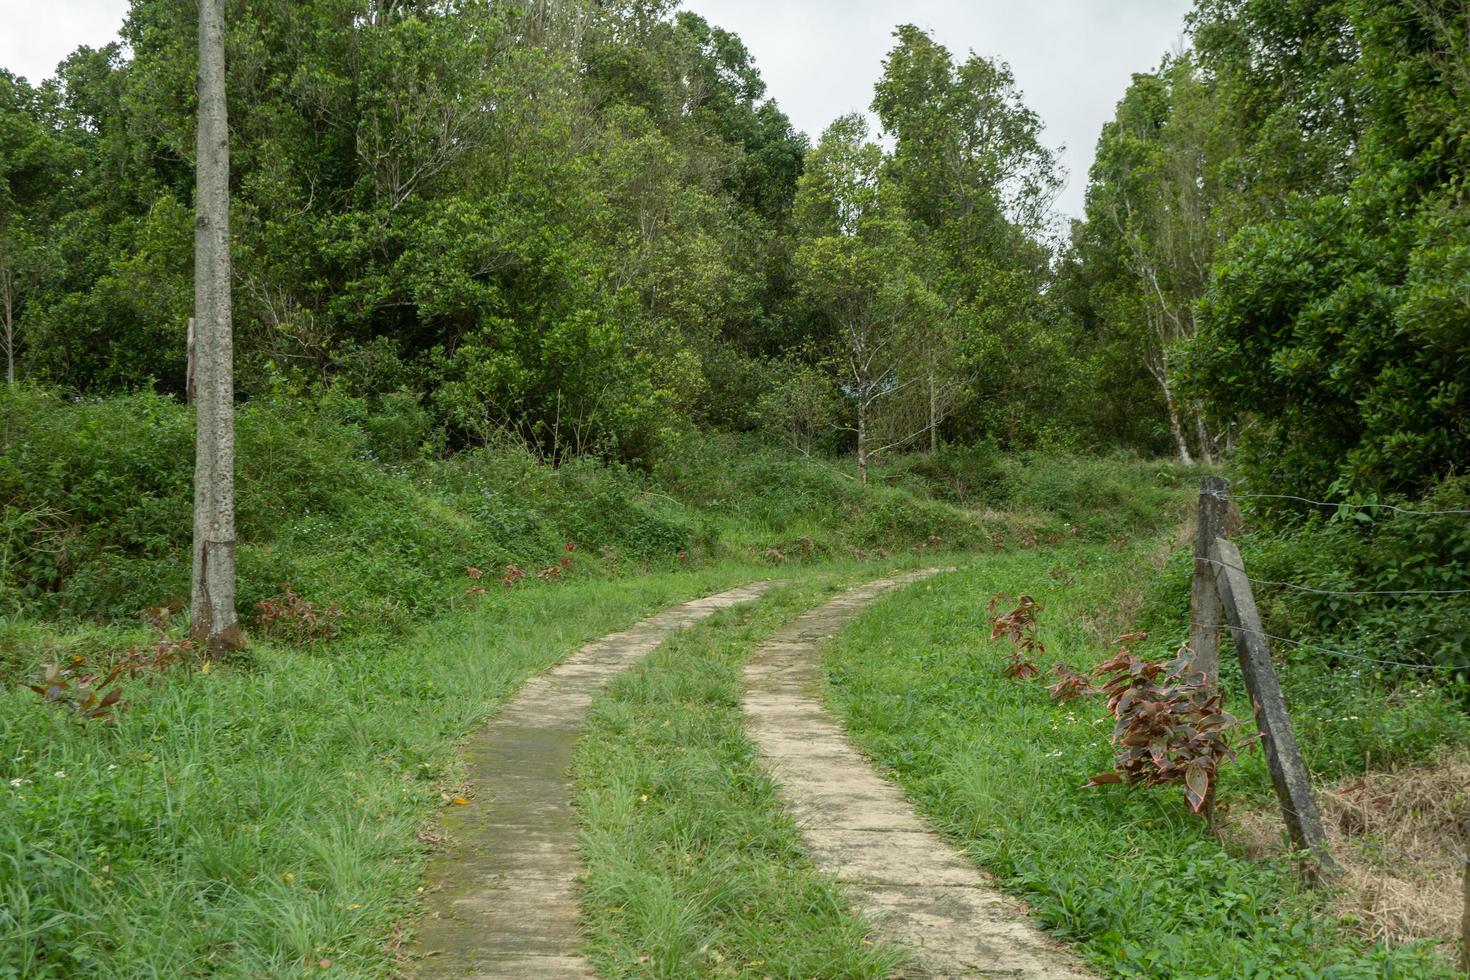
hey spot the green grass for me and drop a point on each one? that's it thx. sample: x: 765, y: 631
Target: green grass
x: 694, y: 869
x: 253, y: 823
x: 1125, y: 874
x: 95, y: 498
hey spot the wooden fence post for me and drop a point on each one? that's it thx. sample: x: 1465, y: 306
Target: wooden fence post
x: 1205, y: 613
x: 1288, y: 772
x: 1465, y: 918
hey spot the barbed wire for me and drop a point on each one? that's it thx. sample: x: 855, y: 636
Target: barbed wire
x: 1317, y: 591
x: 1346, y: 654
x: 1227, y: 495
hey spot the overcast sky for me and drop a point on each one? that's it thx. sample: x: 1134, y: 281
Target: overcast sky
x: 820, y: 58
x: 1072, y: 58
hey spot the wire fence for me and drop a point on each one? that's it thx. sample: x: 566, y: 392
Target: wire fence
x: 1344, y: 592
x: 1345, y: 654
x: 1448, y: 851
x: 1228, y: 495
x: 1447, y: 854
x: 1338, y: 505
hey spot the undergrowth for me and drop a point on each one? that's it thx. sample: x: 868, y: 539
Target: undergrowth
x: 373, y: 528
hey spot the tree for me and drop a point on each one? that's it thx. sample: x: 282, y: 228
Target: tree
x: 213, y: 622
x: 977, y: 185
x: 1334, y: 323
x: 855, y: 264
x: 1152, y: 204
x: 799, y: 404
x: 34, y: 179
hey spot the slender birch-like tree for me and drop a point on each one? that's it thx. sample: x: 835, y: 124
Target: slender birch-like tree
x: 214, y: 624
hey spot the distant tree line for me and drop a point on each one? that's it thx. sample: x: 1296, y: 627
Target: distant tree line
x: 584, y: 225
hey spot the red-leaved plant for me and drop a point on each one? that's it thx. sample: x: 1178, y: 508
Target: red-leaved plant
x: 97, y: 694
x: 1171, y: 725
x: 291, y: 617
x: 1019, y: 626
x: 1071, y: 683
x: 91, y: 696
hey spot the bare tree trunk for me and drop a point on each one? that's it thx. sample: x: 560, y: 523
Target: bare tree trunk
x: 933, y: 414
x: 862, y: 439
x: 1206, y: 441
x: 213, y: 623
x: 7, y: 299
x: 189, y: 370
x: 1175, y: 427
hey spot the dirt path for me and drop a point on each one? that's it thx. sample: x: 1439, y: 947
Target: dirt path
x: 916, y: 889
x: 503, y: 902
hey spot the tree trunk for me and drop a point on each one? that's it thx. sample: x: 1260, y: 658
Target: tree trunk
x: 933, y: 415
x: 7, y: 300
x: 213, y: 623
x: 862, y: 439
x: 1206, y: 441
x: 1175, y: 427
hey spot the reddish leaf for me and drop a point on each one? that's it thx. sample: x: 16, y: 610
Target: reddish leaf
x: 1196, y: 785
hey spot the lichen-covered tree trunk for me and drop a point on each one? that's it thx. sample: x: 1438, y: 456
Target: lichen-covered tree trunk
x: 213, y: 623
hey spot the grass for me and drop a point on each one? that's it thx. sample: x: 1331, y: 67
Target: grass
x: 1126, y: 875
x: 256, y: 823
x: 694, y: 868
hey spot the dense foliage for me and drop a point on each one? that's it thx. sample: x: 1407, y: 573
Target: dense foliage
x: 1282, y: 211
x: 573, y: 222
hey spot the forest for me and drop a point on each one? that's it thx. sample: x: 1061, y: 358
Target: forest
x: 557, y: 285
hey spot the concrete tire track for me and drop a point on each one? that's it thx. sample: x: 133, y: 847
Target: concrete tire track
x: 503, y: 902
x: 915, y: 888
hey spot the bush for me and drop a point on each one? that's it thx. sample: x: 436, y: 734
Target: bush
x: 962, y: 474
x: 1102, y: 497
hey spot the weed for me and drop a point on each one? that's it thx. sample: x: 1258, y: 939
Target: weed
x: 294, y: 619
x: 1019, y: 626
x: 1070, y: 684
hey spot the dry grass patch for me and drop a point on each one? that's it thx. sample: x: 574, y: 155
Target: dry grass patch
x: 1399, y: 837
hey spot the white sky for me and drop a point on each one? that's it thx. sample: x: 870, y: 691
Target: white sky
x: 1072, y: 59
x: 820, y: 58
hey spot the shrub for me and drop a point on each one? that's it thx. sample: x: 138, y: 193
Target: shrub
x: 294, y: 619
x: 1171, y: 723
